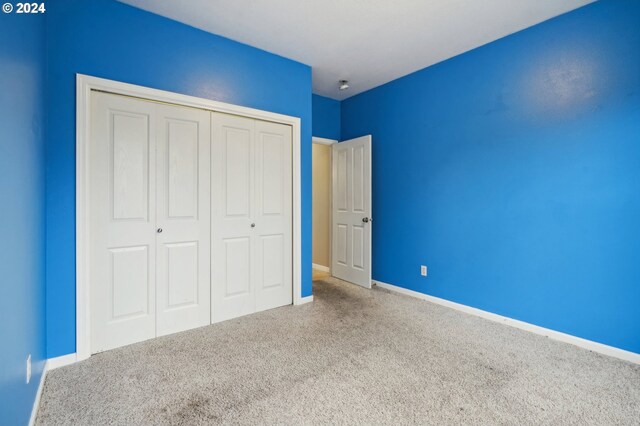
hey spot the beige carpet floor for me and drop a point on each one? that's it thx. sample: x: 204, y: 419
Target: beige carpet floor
x: 353, y: 356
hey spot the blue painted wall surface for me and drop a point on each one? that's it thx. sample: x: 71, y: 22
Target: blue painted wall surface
x: 326, y: 117
x: 513, y: 172
x: 22, y: 222
x: 108, y: 39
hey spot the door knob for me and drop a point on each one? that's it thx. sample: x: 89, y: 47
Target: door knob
x: 365, y: 219
x: 159, y: 231
x: 253, y: 225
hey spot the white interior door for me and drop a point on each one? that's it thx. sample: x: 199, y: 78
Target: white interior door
x: 122, y: 258
x: 351, y: 211
x: 183, y: 219
x: 251, y: 209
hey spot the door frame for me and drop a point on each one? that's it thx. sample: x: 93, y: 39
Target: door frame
x: 323, y: 141
x: 84, y: 86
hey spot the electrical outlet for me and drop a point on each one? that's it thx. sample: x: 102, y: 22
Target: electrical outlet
x: 423, y: 271
x: 28, y: 368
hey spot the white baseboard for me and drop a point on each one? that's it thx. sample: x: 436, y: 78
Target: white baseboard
x: 304, y: 300
x: 321, y: 267
x: 552, y: 334
x: 36, y: 402
x: 61, y: 361
x: 50, y: 364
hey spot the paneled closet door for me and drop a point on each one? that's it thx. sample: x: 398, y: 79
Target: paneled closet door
x: 122, y: 257
x: 273, y: 216
x: 251, y: 216
x: 232, y: 194
x: 183, y: 218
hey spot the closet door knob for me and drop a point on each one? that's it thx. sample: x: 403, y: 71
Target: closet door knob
x: 159, y: 231
x: 253, y: 225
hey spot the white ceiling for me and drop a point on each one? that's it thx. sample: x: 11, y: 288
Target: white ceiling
x: 368, y: 42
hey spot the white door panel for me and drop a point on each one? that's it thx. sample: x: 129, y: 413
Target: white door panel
x: 237, y: 179
x: 183, y: 219
x: 251, y: 216
x: 236, y: 263
x: 149, y: 170
x: 232, y: 289
x: 129, y: 270
x: 122, y: 226
x: 273, y: 216
x: 351, y: 239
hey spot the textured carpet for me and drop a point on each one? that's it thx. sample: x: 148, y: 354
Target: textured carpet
x: 354, y: 356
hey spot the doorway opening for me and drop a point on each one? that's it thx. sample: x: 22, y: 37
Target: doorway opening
x: 322, y: 182
x: 342, y: 205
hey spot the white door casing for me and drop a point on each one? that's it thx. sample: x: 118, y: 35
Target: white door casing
x: 351, y: 211
x: 251, y: 212
x: 122, y: 226
x: 183, y: 218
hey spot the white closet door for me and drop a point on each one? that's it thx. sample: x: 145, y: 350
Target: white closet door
x: 232, y: 194
x: 183, y: 219
x: 351, y: 228
x: 251, y: 216
x: 273, y: 216
x: 122, y: 221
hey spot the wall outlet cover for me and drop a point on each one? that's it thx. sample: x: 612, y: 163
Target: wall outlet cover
x: 423, y: 271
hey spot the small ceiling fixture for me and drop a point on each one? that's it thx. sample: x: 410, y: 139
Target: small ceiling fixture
x: 343, y: 85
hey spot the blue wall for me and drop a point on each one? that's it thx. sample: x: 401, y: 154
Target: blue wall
x: 108, y: 39
x: 22, y: 291
x: 513, y: 172
x: 326, y: 117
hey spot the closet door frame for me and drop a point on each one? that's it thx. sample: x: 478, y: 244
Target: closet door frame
x: 85, y: 85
